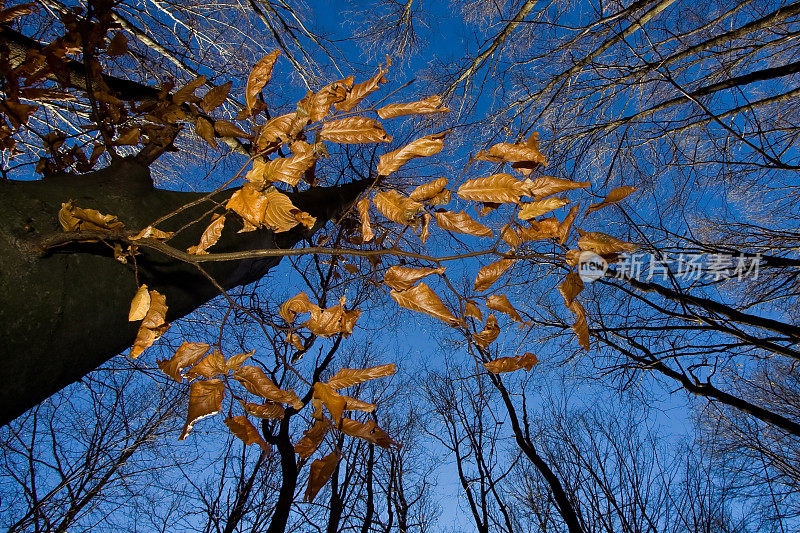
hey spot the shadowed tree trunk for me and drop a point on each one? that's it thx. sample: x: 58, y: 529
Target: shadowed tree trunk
x: 63, y: 312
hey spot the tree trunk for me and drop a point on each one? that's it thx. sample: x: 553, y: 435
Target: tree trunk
x: 64, y: 313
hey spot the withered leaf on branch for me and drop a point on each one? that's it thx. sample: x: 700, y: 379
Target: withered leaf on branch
x: 279, y: 130
x: 570, y: 288
x: 422, y: 147
x: 363, y: 214
x: 153, y: 325
x: 602, y: 244
x: 429, y: 190
x: 315, y: 106
x: 255, y: 381
x: 215, y: 97
x: 402, y: 278
x: 489, y: 333
x: 259, y: 77
x: 423, y: 300
x: 565, y: 225
x: 211, y: 366
x: 205, y: 399
x: 140, y: 304
x: 491, y: 273
x: 395, y: 206
x: 527, y: 152
x: 499, y: 302
x: 331, y: 399
x: 285, y: 169
x: 531, y: 210
x: 369, y: 432
x: 497, y: 188
x: 354, y: 130
x: 321, y: 472
x: 472, y: 310
x: 225, y: 128
x: 312, y: 438
x: 354, y: 404
x: 210, y: 236
x: 186, y: 93
x: 186, y: 355
x: 267, y: 410
x: 432, y: 104
x: 236, y: 361
x: 74, y: 218
x: 510, y: 364
x: 246, y: 431
x: 581, y: 326
x: 347, y: 377
x: 359, y: 91
x: 269, y: 208
x: 544, y: 186
x: 461, y: 223
x: 294, y: 305
x: 205, y: 130
x: 616, y: 195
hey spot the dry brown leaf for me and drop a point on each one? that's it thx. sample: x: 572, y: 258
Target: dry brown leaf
x: 566, y: 224
x: 461, y: 223
x: 402, y: 278
x: 510, y: 364
x: 422, y: 147
x: 353, y: 404
x: 205, y: 130
x: 285, y: 169
x: 215, y: 97
x: 570, y: 288
x: 266, y: 411
x: 540, y: 229
x: 118, y: 45
x: 210, y: 236
x: 330, y: 399
x: 259, y: 77
x: 489, y: 334
x: 255, y: 381
x: 185, y: 356
x: 361, y: 90
x: 294, y: 305
x: 602, y: 244
x: 429, y: 190
x: 363, y: 213
x: 279, y: 130
x: 229, y: 129
x: 296, y: 341
x: 186, y: 93
x: 236, y: 361
x: 270, y: 208
x: 581, y: 326
x: 531, y: 210
x: 145, y: 338
x: 321, y: 472
x: 472, y: 310
x: 572, y: 257
x: 354, y: 130
x: 325, y: 322
x: 545, y: 186
x: 153, y: 233
x: 443, y: 198
x: 395, y: 206
x: 205, y: 399
x: 616, y: 195
x: 499, y: 302
x: 246, y: 431
x: 510, y: 235
x: 129, y: 137
x: 18, y: 113
x: 153, y: 325
x: 347, y: 377
x: 432, y: 104
x: 13, y: 12
x: 490, y: 273
x: 423, y: 300
x: 210, y: 366
x: 315, y: 106
x: 527, y: 152
x: 74, y: 218
x: 312, y: 438
x: 497, y: 188
x: 140, y: 304
x: 426, y: 225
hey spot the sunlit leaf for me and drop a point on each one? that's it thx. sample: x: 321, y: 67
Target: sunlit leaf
x: 425, y: 231
x: 312, y: 438
x: 514, y: 152
x: 186, y: 92
x: 246, y: 431
x: 270, y: 208
x: 236, y: 361
x: 294, y: 305
x: 423, y: 300
x: 531, y: 210
x: 74, y: 218
x: 13, y: 12
x: 545, y: 186
x: 210, y: 236
x: 497, y: 188
x: 140, y: 304
x: 581, y: 326
x: 321, y: 472
x: 423, y: 147
x: 205, y: 399
x: 570, y: 288
x: 215, y: 97
x: 510, y: 364
x: 402, y: 278
x: 259, y: 77
x: 255, y: 381
x: 279, y: 130
x: 354, y: 404
x: 499, y: 302
x: 616, y: 195
x: 267, y: 411
x: 369, y: 432
x: 443, y: 198
x: 540, y: 229
x: 347, y: 377
x: 489, y: 333
x: 490, y: 273
x: 153, y: 325
x: 361, y: 90
x: 429, y: 190
x: 325, y: 322
x: 285, y: 169
x: 330, y: 399
x: 186, y: 355
x: 461, y: 223
x: 472, y: 310
x: 210, y: 366
x: 396, y: 207
x: 363, y: 214
x: 354, y: 130
x: 432, y: 104
x: 566, y: 224
x: 315, y: 106
x: 602, y: 244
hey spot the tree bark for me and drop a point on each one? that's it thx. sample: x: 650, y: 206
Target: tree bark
x: 63, y: 313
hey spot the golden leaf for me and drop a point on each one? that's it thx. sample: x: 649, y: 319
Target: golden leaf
x: 229, y: 129
x: 423, y: 300
x: 331, y: 399
x: 315, y: 106
x: 461, y: 223
x: 348, y: 321
x: 286, y: 169
x: 510, y: 364
x: 118, y: 45
x: 279, y: 130
x: 566, y: 224
x: 215, y: 97
x: 540, y: 229
x: 602, y: 244
x: 432, y: 104
x: 325, y: 322
x: 490, y: 273
x: 426, y: 224
x: 347, y: 377
x: 210, y: 236
x: 510, y: 236
x: 145, y: 338
x: 353, y: 130
x: 321, y: 472
x: 205, y: 399
x: 531, y: 210
x: 570, y: 288
x: 490, y: 332
x: 236, y: 361
x: 294, y: 305
x: 497, y: 188
x: 186, y: 355
x: 395, y: 206
x: 304, y: 218
x: 296, y: 341
x: 499, y: 302
x: 270, y: 208
x: 527, y: 152
x: 472, y: 310
x: 363, y: 213
x: 312, y: 438
x: 267, y: 411
x: 259, y: 77
x: 255, y: 381
x: 186, y: 92
x: 17, y: 113
x: 616, y: 195
x: 402, y: 278
x: 429, y: 190
x: 545, y: 186
x: 210, y: 366
x: 74, y: 218
x: 422, y: 147
x: 205, y: 130
x: 580, y: 327
x: 140, y: 304
x: 572, y: 257
x: 246, y: 431
x: 443, y: 198
x: 369, y: 432
x: 153, y: 325
x: 362, y: 90
x: 353, y: 404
